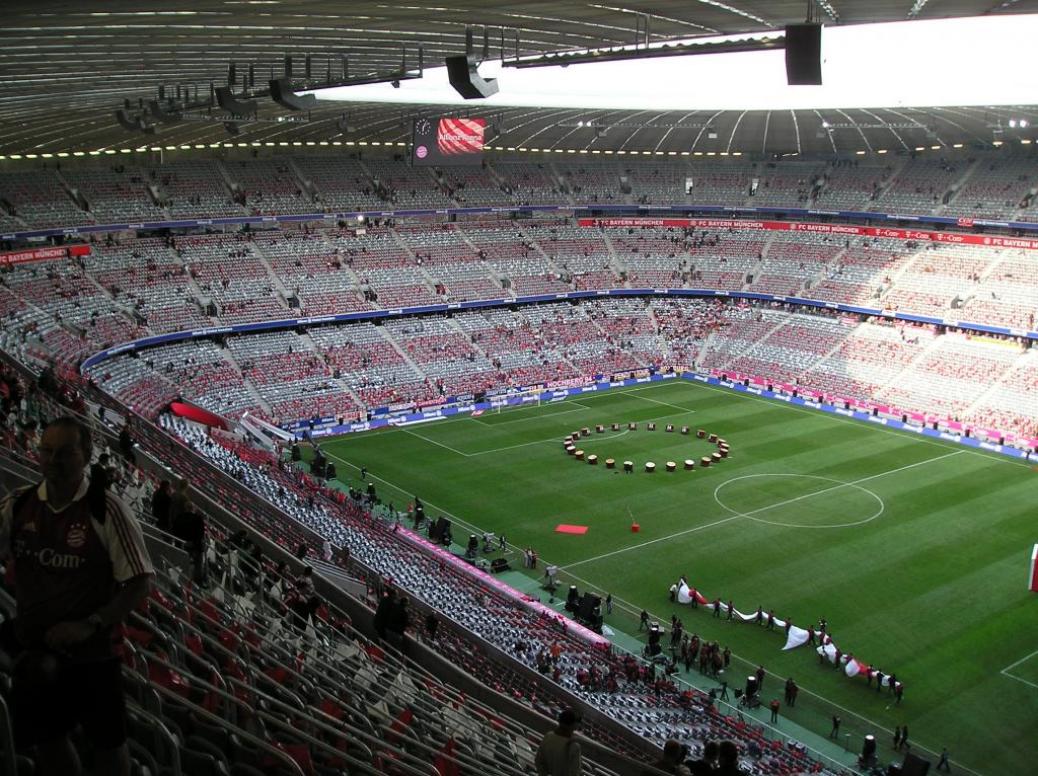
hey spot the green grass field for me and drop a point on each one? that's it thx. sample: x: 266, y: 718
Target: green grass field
x: 915, y: 550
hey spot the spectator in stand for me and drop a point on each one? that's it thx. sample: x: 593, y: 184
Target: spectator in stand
x: 251, y: 563
x: 399, y: 621
x: 304, y: 601
x: 103, y: 473
x: 673, y: 759
x: 126, y: 443
x: 65, y: 670
x: 189, y: 527
x: 385, y: 606
x: 179, y: 501
x: 707, y: 764
x: 161, y: 502
x: 558, y: 753
x: 275, y: 582
x: 432, y: 624
x: 728, y: 760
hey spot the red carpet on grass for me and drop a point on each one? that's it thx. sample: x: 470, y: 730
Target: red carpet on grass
x: 571, y: 529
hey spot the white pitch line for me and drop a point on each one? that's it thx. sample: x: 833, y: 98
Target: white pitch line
x: 632, y: 391
x: 654, y: 541
x: 556, y: 437
x: 1018, y: 662
x: 434, y: 442
x: 577, y: 408
x: 665, y: 404
x: 1008, y: 675
x: 404, y: 491
x: 552, y: 439
x: 761, y: 509
x: 537, y: 442
x: 523, y: 444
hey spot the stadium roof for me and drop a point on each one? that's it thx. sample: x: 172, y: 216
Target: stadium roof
x: 66, y: 67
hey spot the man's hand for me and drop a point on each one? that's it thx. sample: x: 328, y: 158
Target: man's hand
x: 67, y: 634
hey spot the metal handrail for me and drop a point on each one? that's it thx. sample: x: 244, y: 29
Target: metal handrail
x: 8, y: 757
x: 281, y: 725
x: 302, y: 679
x: 240, y: 732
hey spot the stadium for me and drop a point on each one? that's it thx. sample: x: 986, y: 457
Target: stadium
x: 524, y: 360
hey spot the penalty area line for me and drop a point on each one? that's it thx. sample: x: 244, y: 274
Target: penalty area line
x: 1006, y: 671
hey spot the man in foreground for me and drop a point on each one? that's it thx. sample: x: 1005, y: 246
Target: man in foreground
x: 559, y: 754
x: 80, y: 567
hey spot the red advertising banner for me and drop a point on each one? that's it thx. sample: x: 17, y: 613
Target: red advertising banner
x: 10, y: 258
x: 951, y: 238
x: 197, y: 414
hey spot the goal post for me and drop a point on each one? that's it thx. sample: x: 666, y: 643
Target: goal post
x: 1032, y: 578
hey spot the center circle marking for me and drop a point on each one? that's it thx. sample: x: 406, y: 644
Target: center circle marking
x: 751, y: 515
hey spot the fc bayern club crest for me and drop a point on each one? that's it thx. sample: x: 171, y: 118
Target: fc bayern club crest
x: 76, y: 536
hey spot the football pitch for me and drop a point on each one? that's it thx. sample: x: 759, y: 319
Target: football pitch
x: 914, y: 550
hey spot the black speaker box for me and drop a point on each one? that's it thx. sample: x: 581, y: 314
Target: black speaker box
x: 914, y: 766
x: 466, y: 80
x: 804, y: 54
x: 442, y: 526
x: 751, y: 686
x: 587, y: 606
x: 282, y: 93
x: 230, y: 103
x: 498, y: 564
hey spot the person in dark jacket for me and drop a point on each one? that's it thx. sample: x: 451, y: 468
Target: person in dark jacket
x: 399, y: 621
x: 382, y: 613
x: 728, y: 760
x: 160, y: 505
x: 189, y: 527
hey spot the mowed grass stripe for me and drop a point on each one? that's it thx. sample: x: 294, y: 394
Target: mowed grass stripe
x: 934, y: 587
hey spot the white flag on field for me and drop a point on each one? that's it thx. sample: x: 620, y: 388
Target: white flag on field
x: 795, y: 638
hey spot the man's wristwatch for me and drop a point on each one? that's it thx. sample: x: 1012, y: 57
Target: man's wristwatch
x: 95, y: 622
